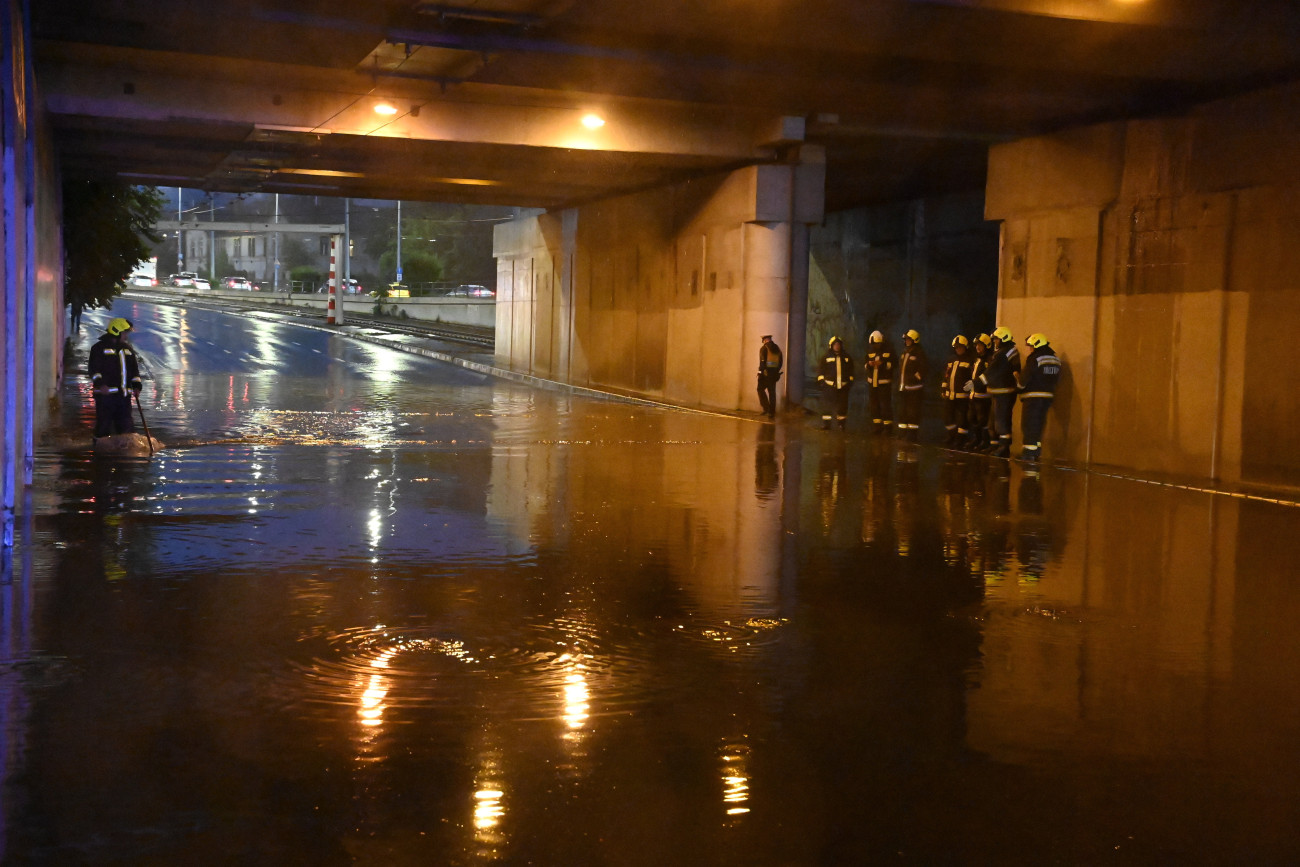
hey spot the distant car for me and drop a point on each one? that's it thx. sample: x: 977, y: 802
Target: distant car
x: 143, y: 280
x: 202, y: 283
x: 237, y: 283
x: 473, y: 290
x: 352, y: 287
x: 183, y: 280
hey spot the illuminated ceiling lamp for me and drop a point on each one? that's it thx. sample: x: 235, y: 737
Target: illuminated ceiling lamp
x: 385, y: 108
x: 593, y: 121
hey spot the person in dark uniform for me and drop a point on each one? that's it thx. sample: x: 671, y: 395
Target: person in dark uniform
x: 770, y: 361
x: 113, y: 370
x: 956, y: 397
x: 1042, y: 372
x: 977, y: 414
x: 1003, y: 381
x: 74, y: 313
x: 836, y: 376
x: 880, y: 370
x: 911, y: 379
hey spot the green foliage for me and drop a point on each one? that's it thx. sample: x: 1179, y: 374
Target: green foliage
x: 307, y: 275
x: 107, y: 231
x: 417, y: 267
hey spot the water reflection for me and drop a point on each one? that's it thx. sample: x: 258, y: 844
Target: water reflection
x: 427, y: 618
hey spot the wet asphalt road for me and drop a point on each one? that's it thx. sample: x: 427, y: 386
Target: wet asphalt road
x: 369, y: 608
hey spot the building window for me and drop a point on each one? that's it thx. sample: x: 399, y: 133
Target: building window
x: 324, y: 245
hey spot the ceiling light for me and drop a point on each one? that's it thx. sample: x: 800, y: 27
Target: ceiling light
x: 593, y: 121
x: 385, y: 108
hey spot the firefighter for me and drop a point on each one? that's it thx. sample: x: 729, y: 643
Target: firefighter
x: 911, y: 379
x: 836, y: 376
x: 880, y: 369
x: 953, y: 390
x: 113, y: 370
x: 1042, y: 372
x: 770, y: 361
x: 977, y: 414
x: 1002, y: 379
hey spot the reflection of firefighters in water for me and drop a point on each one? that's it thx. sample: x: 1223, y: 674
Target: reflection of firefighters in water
x: 836, y: 377
x: 831, y: 472
x: 911, y: 379
x: 977, y: 414
x: 956, y: 396
x: 114, y: 376
x: 1042, y: 372
x: 1003, y: 381
x: 769, y: 373
x: 880, y: 371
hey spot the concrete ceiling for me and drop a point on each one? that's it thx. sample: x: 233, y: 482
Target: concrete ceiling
x: 904, y: 95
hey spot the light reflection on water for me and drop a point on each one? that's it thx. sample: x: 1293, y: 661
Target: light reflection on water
x: 423, y: 617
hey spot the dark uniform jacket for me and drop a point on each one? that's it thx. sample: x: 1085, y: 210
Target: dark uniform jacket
x: 978, y: 365
x: 955, y: 376
x: 911, y: 368
x: 1042, y: 371
x: 883, y: 374
x: 1004, y: 364
x: 836, y: 370
x: 770, y: 360
x: 113, y: 365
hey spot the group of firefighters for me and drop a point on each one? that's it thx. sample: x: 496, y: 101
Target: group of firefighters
x: 981, y: 383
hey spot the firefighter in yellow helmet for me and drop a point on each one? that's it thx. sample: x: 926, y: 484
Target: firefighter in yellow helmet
x: 977, y: 416
x: 1003, y: 381
x: 1042, y: 372
x: 954, y: 391
x: 114, y: 377
x: 911, y: 379
x: 835, y: 374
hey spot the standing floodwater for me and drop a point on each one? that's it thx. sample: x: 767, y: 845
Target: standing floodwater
x: 381, y: 610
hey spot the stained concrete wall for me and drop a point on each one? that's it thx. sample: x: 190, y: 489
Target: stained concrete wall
x: 31, y: 264
x: 664, y: 293
x: 1161, y: 257
x: 929, y: 264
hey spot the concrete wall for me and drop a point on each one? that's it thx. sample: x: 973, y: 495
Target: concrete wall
x: 1161, y: 258
x: 31, y: 269
x: 664, y: 293
x: 928, y: 264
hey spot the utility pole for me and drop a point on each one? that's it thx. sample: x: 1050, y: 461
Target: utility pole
x: 180, y: 236
x: 347, y: 245
x: 399, y: 240
x: 276, y: 281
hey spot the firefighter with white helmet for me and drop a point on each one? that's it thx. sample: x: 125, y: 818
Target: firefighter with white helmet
x: 835, y: 374
x: 880, y: 373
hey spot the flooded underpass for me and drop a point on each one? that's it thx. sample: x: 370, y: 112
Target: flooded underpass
x: 369, y: 608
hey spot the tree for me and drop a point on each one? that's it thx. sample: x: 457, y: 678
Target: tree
x: 107, y: 231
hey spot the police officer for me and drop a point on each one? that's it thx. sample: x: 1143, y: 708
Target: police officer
x: 977, y: 414
x: 770, y: 361
x: 1042, y: 372
x: 1003, y: 381
x: 113, y: 369
x: 836, y: 376
x: 880, y: 369
x: 911, y: 379
x: 953, y: 390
